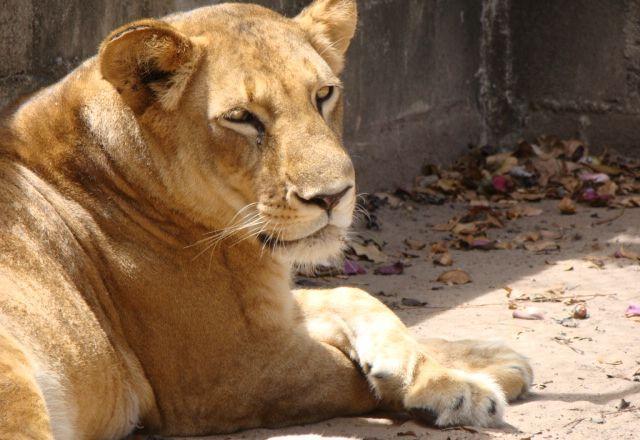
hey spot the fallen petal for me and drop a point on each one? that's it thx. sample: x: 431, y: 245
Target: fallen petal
x: 500, y: 183
x: 394, y: 269
x: 353, y: 268
x: 594, y: 177
x: 625, y: 253
x: 532, y: 313
x: 483, y: 244
x: 632, y: 310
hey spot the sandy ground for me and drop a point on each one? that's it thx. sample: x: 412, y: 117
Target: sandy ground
x: 582, y: 373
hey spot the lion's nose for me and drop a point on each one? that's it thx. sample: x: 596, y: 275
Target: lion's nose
x: 325, y: 201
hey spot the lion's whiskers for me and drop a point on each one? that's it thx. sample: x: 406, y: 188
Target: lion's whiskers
x: 248, y: 225
x: 253, y: 232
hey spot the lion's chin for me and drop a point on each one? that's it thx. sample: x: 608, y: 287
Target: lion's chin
x: 323, y: 247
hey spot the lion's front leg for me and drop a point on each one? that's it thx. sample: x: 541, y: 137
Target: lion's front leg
x: 401, y: 371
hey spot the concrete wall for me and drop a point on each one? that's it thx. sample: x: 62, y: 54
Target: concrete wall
x: 425, y: 77
x: 577, y: 69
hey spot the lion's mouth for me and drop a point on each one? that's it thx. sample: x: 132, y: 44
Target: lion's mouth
x: 274, y: 242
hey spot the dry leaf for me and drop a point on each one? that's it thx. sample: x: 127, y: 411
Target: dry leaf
x: 465, y: 229
x: 530, y: 197
x: 503, y: 245
x: 506, y: 167
x: 415, y: 245
x: 393, y: 269
x: 542, y: 246
x: 455, y: 276
x: 570, y: 183
x: 446, y: 227
x: 625, y: 253
x: 407, y: 434
x: 393, y: 201
x: 551, y: 235
x: 439, y: 247
x: 574, y: 149
x: 623, y: 404
x: 412, y: 302
x: 369, y: 251
x: 549, y: 295
x: 594, y: 177
x: 609, y: 360
x: 529, y: 211
x: 605, y: 169
x: 447, y: 186
x: 567, y: 206
x: 595, y: 261
x: 474, y: 202
x: 627, y: 202
x: 608, y: 189
x: 522, y: 211
x: 484, y: 244
x: 530, y: 236
x: 547, y: 169
x: 443, y: 259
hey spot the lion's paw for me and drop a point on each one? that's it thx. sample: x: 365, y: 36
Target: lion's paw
x: 511, y: 370
x: 455, y: 397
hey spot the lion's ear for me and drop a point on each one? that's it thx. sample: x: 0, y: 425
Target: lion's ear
x: 330, y: 26
x: 148, y: 61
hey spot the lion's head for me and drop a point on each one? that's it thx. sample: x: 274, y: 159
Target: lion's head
x: 240, y: 109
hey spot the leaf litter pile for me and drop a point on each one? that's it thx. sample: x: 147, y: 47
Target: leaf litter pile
x: 499, y: 185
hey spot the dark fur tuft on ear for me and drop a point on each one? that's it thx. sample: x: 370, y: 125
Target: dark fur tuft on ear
x: 148, y: 61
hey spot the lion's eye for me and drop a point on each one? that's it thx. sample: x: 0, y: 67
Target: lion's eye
x: 323, y: 95
x: 242, y: 116
x: 244, y: 122
x: 238, y: 115
x: 324, y: 92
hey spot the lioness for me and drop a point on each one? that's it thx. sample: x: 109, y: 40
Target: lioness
x: 116, y: 315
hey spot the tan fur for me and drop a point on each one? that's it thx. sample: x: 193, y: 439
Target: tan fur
x: 147, y: 241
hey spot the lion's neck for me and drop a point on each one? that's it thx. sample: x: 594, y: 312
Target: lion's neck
x: 81, y: 138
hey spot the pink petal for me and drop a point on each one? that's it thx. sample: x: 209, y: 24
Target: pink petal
x: 633, y: 310
x: 483, y: 244
x: 500, y: 183
x: 353, y: 268
x: 594, y: 177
